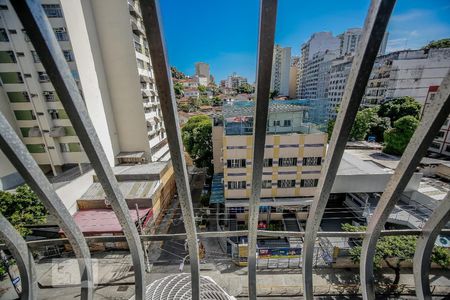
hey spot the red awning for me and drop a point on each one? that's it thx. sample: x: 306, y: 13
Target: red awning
x: 105, y: 220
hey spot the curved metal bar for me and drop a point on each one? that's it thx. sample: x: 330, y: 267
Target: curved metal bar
x: 424, y: 248
x: 373, y: 33
x: 266, y: 39
x: 153, y: 26
x: 429, y: 126
x: 25, y: 263
x: 22, y: 160
x: 40, y: 32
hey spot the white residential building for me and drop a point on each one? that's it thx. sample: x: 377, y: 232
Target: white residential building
x: 233, y: 81
x: 280, y: 70
x: 293, y: 73
x: 339, y: 71
x: 349, y: 42
x: 120, y: 94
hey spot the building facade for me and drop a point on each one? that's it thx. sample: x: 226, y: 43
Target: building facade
x: 295, y: 149
x: 281, y: 70
x: 120, y: 94
x: 202, y: 73
x: 293, y: 73
x: 233, y: 81
x: 339, y: 71
x: 350, y: 38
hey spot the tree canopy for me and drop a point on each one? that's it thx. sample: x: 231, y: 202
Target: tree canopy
x: 400, y: 107
x: 442, y: 43
x: 197, y: 139
x: 397, y: 138
x: 401, y: 248
x: 179, y: 89
x: 245, y: 88
x: 22, y: 208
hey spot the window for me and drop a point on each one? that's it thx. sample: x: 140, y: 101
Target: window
x: 24, y: 115
x: 447, y: 149
x: 267, y: 184
x: 3, y: 7
x: 52, y: 10
x: 7, y: 57
x: 287, y: 123
x: 18, y: 97
x: 50, y: 96
x: 25, y: 131
x: 440, y: 134
x: 276, y: 123
x: 287, y: 162
x: 11, y: 77
x: 61, y: 34
x: 309, y: 182
x: 435, y: 145
x: 237, y: 185
x: 268, y: 162
x: 70, y: 147
x: 68, y: 55
x: 35, y: 56
x: 236, y: 163
x: 312, y: 161
x: 57, y: 114
x: 140, y: 63
x: 43, y: 77
x: 36, y: 148
x: 3, y: 35
x: 286, y: 183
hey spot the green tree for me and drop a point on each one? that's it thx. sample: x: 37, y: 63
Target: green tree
x: 197, y: 139
x: 273, y: 94
x: 22, y: 208
x: 397, y: 138
x: 202, y: 89
x: 203, y: 100
x: 179, y: 89
x: 442, y: 43
x: 176, y: 73
x: 245, y: 88
x: 400, y: 107
x: 330, y: 127
x: 393, y: 250
x: 216, y: 101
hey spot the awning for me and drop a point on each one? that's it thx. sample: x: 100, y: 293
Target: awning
x: 105, y: 220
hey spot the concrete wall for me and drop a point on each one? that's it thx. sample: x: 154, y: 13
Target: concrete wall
x: 73, y: 190
x: 217, y: 139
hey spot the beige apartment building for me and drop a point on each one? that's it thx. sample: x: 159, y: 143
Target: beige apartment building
x: 112, y: 67
x: 295, y: 149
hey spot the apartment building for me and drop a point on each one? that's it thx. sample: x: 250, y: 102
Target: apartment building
x: 350, y: 38
x: 314, y: 76
x: 406, y: 73
x: 293, y: 73
x: 338, y: 74
x: 281, y: 70
x: 120, y: 94
x: 233, y: 81
x: 295, y: 149
x: 202, y: 73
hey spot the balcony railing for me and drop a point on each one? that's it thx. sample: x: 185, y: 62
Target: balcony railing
x: 41, y: 35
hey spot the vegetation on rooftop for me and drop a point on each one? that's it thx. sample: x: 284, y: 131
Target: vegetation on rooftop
x: 442, y: 43
x: 393, y: 250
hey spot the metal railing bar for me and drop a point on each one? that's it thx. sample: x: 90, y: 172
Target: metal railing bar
x: 24, y: 259
x: 153, y: 26
x: 424, y: 248
x: 428, y: 127
x: 266, y: 39
x: 41, y: 34
x: 373, y: 33
x: 27, y: 167
x: 224, y: 234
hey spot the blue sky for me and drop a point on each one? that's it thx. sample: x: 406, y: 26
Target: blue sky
x: 223, y: 33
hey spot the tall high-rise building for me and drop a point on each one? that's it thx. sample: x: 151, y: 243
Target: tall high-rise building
x: 293, y: 73
x: 233, y: 81
x: 350, y: 38
x: 280, y: 70
x: 320, y: 46
x: 202, y: 73
x: 115, y: 78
